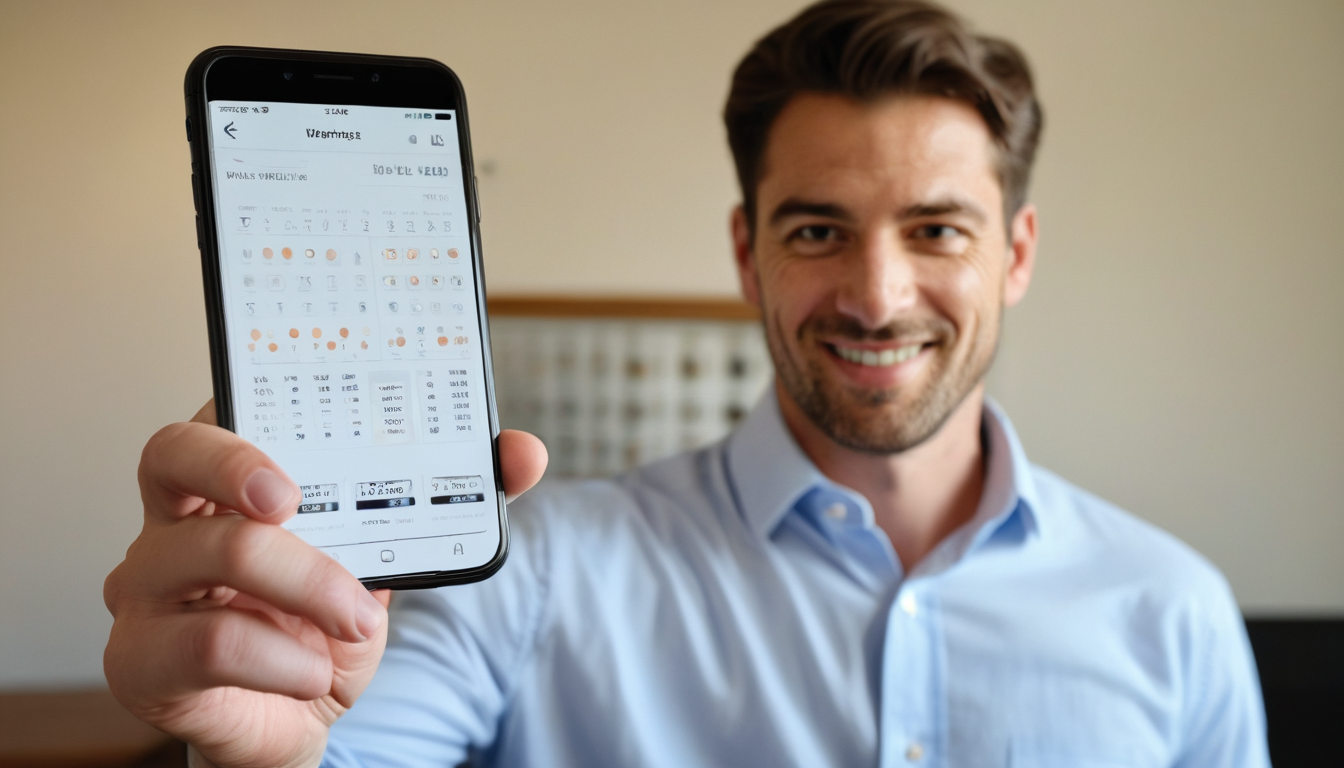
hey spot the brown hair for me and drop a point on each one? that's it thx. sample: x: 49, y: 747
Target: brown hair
x: 871, y: 48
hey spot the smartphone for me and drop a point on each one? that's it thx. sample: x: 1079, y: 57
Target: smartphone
x: 338, y: 225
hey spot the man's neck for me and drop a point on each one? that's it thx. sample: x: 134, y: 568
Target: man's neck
x: 919, y: 496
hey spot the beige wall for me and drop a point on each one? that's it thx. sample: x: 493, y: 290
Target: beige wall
x: 1179, y: 353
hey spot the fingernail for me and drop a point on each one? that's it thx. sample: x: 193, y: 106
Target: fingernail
x: 368, y: 615
x: 267, y: 491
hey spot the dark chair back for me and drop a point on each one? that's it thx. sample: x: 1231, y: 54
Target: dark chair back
x: 1301, y: 663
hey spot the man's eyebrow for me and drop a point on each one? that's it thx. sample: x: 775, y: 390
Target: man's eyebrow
x: 944, y: 207
x: 795, y: 207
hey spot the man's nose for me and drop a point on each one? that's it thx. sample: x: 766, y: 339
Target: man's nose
x: 878, y: 281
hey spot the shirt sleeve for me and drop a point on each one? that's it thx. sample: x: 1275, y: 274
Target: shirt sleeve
x: 452, y: 661
x: 1224, y: 718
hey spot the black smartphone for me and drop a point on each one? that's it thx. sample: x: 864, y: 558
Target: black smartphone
x: 338, y: 225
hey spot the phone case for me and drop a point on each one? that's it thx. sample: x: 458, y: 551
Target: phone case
x: 345, y: 68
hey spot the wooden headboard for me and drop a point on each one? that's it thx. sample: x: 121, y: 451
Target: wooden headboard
x: 611, y: 382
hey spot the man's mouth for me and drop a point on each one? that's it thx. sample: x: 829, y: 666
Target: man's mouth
x: 876, y: 358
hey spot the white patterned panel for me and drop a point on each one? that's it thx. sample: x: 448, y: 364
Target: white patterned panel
x: 606, y: 394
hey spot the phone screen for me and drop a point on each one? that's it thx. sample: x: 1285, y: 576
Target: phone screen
x: 352, y: 325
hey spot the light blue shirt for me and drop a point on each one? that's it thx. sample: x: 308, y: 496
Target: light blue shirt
x: 734, y: 607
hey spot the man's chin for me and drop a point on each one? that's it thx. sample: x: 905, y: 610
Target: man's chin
x: 881, y: 421
x: 879, y: 424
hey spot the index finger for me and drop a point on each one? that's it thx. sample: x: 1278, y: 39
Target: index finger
x: 522, y: 459
x: 185, y: 465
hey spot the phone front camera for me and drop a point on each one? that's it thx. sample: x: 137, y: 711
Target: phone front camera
x: 375, y: 77
x: 289, y: 75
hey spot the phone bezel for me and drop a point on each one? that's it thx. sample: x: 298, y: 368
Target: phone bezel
x: 320, y: 77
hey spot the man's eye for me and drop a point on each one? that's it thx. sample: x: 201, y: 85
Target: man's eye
x: 815, y: 233
x: 936, y: 232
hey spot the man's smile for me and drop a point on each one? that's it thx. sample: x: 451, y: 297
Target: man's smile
x: 879, y: 365
x: 882, y: 355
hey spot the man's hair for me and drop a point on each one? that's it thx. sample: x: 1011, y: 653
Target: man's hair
x: 867, y: 49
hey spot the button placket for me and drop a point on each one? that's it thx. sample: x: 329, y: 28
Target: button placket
x: 913, y: 695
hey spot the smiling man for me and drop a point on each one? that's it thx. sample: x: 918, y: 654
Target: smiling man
x: 867, y: 572
x: 882, y: 264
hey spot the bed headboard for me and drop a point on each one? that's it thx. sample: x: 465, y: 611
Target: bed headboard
x: 608, y: 383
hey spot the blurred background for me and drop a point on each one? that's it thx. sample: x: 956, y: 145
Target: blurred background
x: 1179, y: 353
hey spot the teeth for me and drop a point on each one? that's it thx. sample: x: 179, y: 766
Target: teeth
x: 878, y: 359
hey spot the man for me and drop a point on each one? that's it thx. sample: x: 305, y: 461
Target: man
x: 867, y: 571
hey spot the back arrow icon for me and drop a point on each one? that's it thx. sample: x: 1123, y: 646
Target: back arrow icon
x: 229, y: 130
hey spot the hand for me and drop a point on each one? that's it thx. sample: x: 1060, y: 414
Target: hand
x: 229, y: 632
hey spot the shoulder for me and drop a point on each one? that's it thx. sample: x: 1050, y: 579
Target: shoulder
x: 1163, y: 599
x: 1177, y: 617
x: 1122, y: 547
x: 599, y: 548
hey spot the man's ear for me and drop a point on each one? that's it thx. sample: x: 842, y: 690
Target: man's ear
x: 743, y: 256
x: 1022, y: 255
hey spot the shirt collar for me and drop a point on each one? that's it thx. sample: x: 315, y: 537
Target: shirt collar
x: 1008, y: 499
x: 770, y: 473
x: 1009, y: 482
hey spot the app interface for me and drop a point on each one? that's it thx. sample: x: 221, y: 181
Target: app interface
x: 354, y: 344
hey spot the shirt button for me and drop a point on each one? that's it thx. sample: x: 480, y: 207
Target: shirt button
x: 837, y: 511
x: 909, y: 605
x: 914, y: 752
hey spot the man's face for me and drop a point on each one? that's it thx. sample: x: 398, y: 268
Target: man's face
x: 881, y: 263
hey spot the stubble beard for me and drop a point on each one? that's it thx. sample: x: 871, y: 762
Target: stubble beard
x: 867, y: 420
